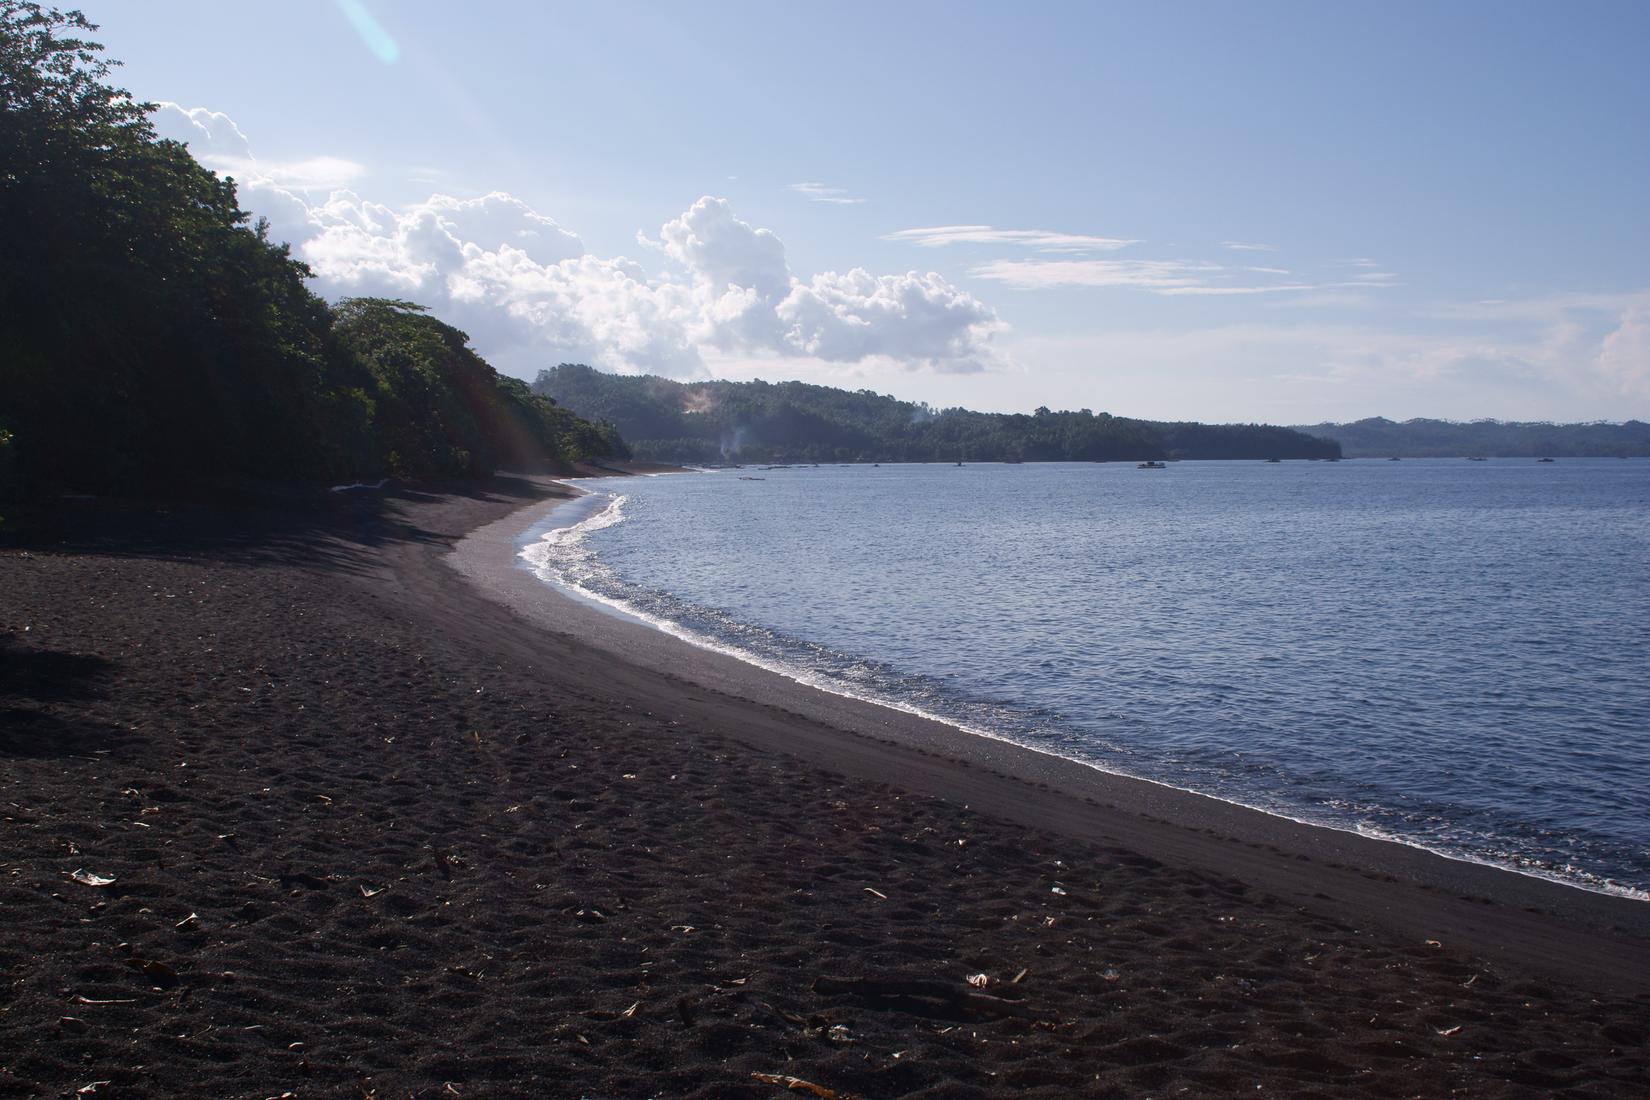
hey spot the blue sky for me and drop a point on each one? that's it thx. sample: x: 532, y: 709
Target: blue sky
x: 1281, y: 212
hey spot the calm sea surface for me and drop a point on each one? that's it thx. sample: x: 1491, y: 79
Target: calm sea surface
x: 1449, y: 653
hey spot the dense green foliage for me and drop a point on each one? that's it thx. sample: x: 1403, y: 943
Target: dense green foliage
x: 795, y: 422
x: 439, y: 408
x: 149, y: 336
x: 1378, y: 437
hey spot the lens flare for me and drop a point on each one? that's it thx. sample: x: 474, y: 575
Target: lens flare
x: 372, y: 32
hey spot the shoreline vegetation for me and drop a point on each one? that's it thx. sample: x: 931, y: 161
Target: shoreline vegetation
x: 154, y: 340
x: 707, y: 423
x: 720, y: 421
x: 1377, y: 437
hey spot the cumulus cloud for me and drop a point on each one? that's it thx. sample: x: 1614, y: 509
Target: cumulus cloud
x: 1624, y: 356
x: 819, y: 192
x: 531, y: 294
x: 1042, y: 240
x: 747, y: 299
x: 219, y: 144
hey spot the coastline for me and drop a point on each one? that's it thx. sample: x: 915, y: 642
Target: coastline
x: 1494, y: 911
x: 289, y: 806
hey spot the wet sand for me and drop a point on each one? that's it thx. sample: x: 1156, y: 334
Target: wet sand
x: 380, y: 826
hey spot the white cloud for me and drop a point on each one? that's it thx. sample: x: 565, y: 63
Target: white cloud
x: 1624, y: 355
x: 530, y: 294
x: 913, y: 318
x: 218, y: 143
x: 1042, y: 240
x: 819, y: 192
x: 1248, y: 246
x: 724, y: 253
x: 747, y: 299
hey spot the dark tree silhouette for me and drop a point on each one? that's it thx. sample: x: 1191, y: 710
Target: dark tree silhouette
x: 150, y: 335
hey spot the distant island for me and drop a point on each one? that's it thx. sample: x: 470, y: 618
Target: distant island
x: 719, y: 421
x: 1378, y: 437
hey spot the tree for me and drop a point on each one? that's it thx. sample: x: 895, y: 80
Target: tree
x: 150, y: 336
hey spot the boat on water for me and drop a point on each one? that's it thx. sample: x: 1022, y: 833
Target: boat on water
x: 1545, y: 460
x: 1274, y: 460
x: 1151, y: 466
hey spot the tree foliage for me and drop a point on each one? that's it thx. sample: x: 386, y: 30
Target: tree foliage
x: 796, y: 422
x: 150, y: 335
x: 1378, y: 437
x: 440, y: 409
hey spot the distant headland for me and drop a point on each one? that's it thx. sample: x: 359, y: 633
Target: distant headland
x: 668, y: 421
x: 1378, y: 437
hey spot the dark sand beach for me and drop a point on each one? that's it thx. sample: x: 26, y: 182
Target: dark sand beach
x: 329, y: 799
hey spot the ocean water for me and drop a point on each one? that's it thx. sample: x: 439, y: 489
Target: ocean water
x: 1452, y: 654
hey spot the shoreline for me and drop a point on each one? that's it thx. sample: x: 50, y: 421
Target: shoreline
x: 543, y: 524
x: 1495, y: 911
x: 291, y: 807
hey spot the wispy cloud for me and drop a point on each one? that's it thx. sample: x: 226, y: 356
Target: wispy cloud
x: 819, y: 192
x: 1217, y: 291
x: 1171, y: 278
x: 1156, y: 275
x: 1248, y: 246
x: 1041, y: 240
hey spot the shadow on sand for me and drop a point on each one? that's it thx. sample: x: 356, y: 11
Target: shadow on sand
x: 33, y: 679
x: 264, y: 525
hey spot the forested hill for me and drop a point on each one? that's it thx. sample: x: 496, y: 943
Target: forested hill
x: 150, y: 337
x: 1378, y: 437
x: 670, y: 421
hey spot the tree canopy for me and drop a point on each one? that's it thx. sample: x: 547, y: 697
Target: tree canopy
x: 150, y: 334
x: 1378, y: 437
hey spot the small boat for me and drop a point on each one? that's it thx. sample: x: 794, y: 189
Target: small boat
x: 743, y: 477
x: 1544, y: 460
x: 1476, y: 458
x: 1394, y: 458
x: 1280, y: 460
x: 1151, y: 466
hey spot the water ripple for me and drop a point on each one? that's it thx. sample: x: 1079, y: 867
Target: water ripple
x: 1447, y: 654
